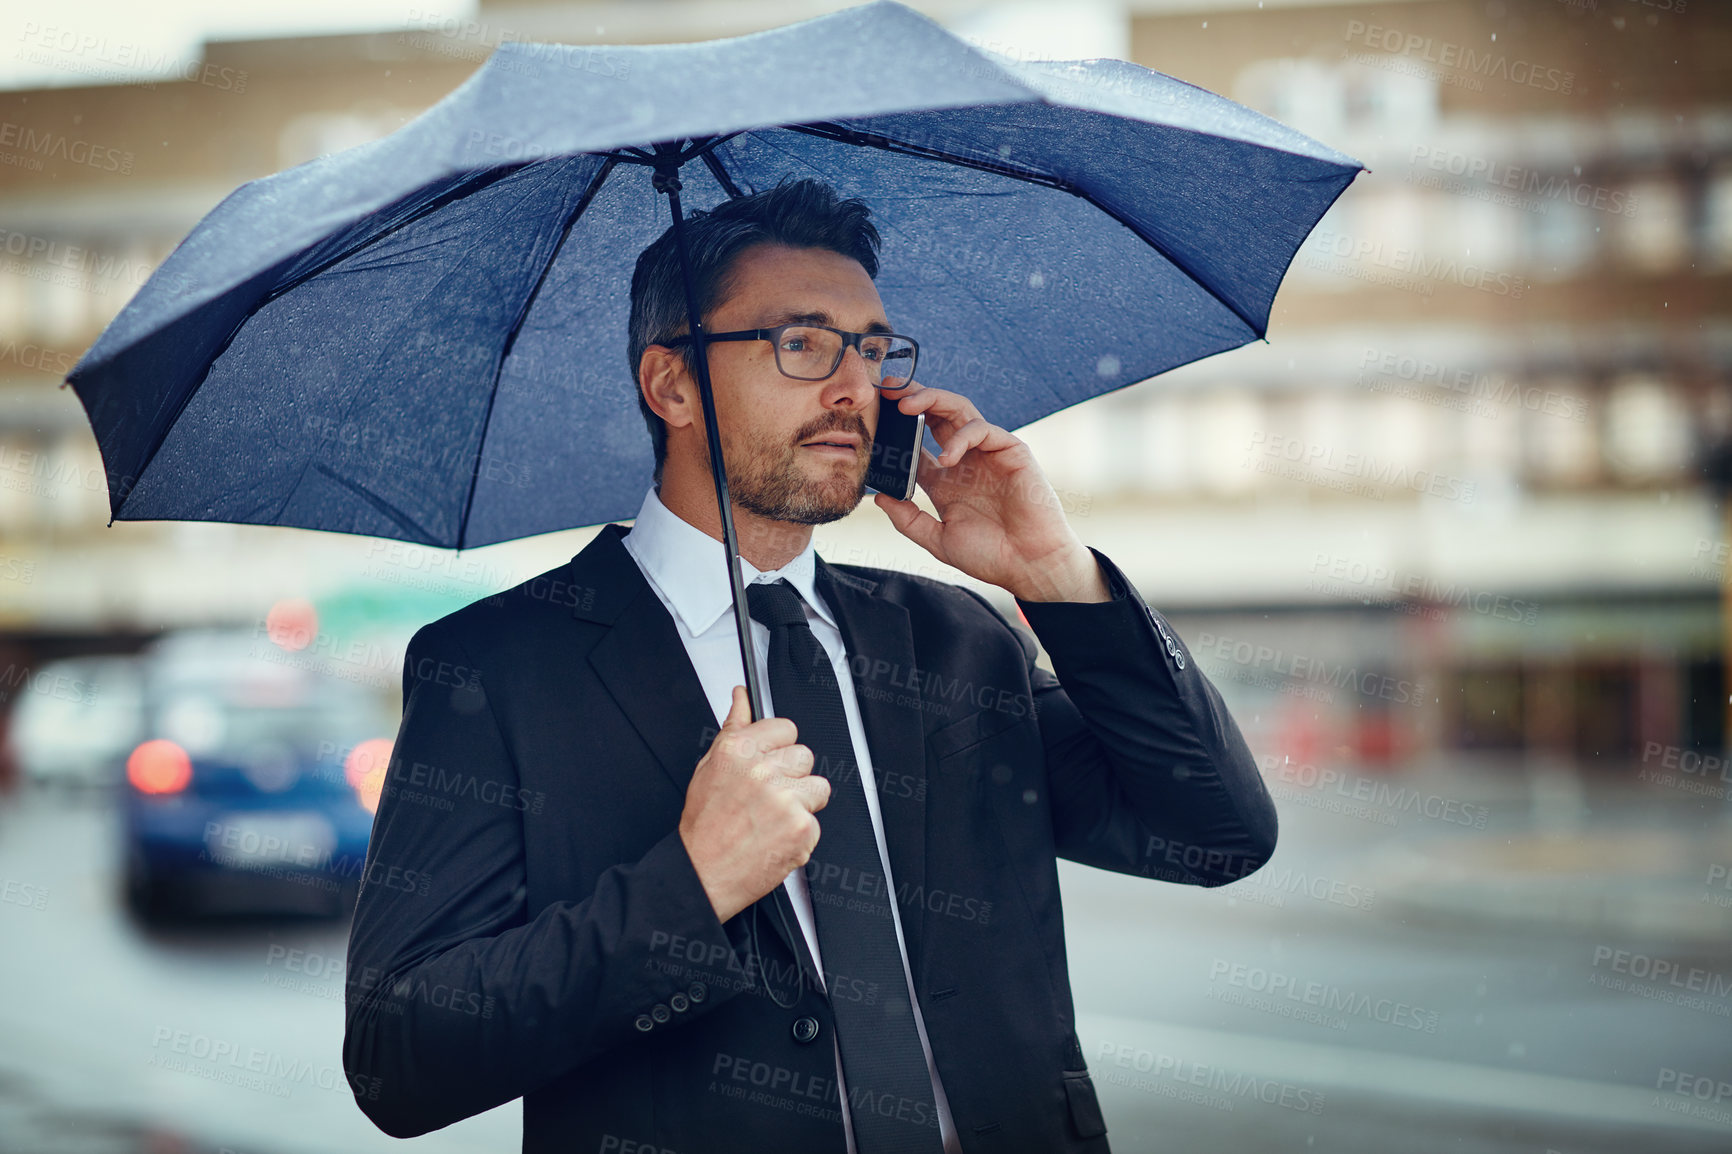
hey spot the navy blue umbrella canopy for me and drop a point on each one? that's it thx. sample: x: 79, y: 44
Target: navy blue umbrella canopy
x: 424, y: 338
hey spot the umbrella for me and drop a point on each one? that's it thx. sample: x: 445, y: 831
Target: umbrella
x: 420, y: 338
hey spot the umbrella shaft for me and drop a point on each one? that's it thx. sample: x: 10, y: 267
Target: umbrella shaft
x: 667, y: 181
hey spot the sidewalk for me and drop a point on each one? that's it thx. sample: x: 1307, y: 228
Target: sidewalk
x: 1595, y: 859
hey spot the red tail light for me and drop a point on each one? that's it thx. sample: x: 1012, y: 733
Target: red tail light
x: 364, y: 769
x: 159, y: 766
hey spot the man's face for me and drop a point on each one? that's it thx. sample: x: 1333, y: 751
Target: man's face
x: 774, y: 428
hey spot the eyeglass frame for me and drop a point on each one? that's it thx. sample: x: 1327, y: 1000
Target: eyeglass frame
x: 774, y: 336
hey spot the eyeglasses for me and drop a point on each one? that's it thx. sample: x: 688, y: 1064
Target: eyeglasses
x: 814, y: 352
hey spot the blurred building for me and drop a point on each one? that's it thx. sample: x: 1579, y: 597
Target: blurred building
x: 1457, y: 503
x: 1473, y: 452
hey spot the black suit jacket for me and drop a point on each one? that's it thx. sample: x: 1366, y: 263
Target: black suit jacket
x: 532, y: 926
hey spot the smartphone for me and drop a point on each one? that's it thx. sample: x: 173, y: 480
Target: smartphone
x: 895, y: 450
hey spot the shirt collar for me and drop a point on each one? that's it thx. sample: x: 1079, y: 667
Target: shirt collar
x: 683, y: 563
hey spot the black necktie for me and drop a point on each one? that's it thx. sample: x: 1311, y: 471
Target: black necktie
x: 890, y: 1100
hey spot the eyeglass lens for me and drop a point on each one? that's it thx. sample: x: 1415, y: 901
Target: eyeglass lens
x: 811, y: 354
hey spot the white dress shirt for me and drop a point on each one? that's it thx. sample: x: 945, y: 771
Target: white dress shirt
x: 685, y: 567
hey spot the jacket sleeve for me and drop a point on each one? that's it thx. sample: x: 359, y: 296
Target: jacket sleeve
x: 1147, y: 770
x: 456, y: 1000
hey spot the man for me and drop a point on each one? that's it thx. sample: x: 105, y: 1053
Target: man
x: 669, y: 928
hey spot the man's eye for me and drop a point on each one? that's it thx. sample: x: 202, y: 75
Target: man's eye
x: 794, y: 345
x: 871, y: 354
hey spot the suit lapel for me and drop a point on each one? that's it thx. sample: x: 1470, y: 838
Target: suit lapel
x: 641, y: 660
x: 644, y: 666
x: 880, y: 645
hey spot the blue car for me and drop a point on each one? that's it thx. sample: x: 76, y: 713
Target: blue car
x: 253, y: 787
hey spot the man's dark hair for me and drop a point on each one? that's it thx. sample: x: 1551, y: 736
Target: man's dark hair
x: 798, y: 213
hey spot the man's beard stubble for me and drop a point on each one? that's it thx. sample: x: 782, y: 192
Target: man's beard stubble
x: 764, y: 475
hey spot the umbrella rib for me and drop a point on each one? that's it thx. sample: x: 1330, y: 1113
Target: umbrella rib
x: 714, y: 164
x: 474, y: 183
x: 517, y: 327
x: 842, y: 135
x: 825, y: 130
x: 403, y: 520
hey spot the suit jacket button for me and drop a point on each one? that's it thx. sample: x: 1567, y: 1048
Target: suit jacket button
x: 678, y: 1003
x: 697, y: 991
x: 643, y: 1023
x: 805, y: 1029
x: 660, y: 1012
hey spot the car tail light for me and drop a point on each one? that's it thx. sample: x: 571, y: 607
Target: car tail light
x: 364, y: 769
x: 159, y: 766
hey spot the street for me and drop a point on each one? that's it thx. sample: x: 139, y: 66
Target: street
x: 1314, y: 1006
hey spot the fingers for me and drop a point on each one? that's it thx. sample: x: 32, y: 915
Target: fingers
x: 978, y: 433
x: 812, y: 792
x: 807, y: 825
x: 930, y: 474
x: 955, y: 421
x: 739, y: 710
x: 758, y: 738
x: 913, y: 522
x: 773, y: 732
x: 764, y: 734
x: 938, y: 404
x: 792, y: 760
x: 764, y: 750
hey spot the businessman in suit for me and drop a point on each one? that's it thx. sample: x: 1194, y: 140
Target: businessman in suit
x: 668, y: 927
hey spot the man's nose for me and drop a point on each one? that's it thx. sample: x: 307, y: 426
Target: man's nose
x: 851, y: 384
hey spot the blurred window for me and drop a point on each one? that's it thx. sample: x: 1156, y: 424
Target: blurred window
x: 1647, y: 429
x: 61, y: 303
x: 1657, y: 238
x: 317, y: 134
x: 1483, y: 708
x: 15, y: 302
x: 1325, y: 421
x: 1227, y: 419
x: 1164, y: 462
x: 1717, y: 220
x: 1561, y: 450
x: 1400, y: 218
x: 24, y: 489
x: 1400, y: 432
x: 1482, y: 234
x: 1561, y: 240
x: 1605, y: 716
x: 247, y: 713
x: 1389, y: 103
x: 1490, y: 445
x: 1070, y: 447
x: 1309, y: 95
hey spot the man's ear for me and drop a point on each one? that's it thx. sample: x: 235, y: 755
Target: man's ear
x: 667, y: 386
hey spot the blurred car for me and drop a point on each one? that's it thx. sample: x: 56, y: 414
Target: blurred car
x: 76, y: 721
x: 254, y: 783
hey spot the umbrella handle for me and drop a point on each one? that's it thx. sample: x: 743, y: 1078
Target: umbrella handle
x: 666, y: 180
